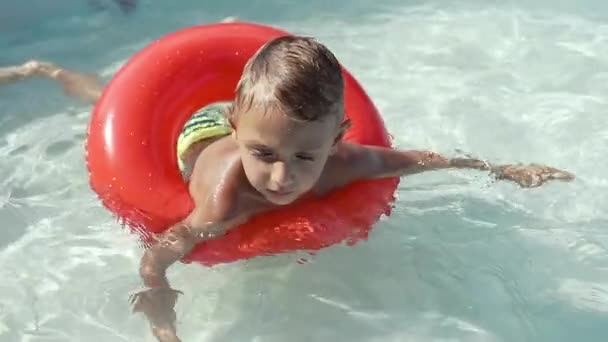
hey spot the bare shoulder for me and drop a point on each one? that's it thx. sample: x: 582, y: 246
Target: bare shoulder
x: 213, y: 182
x: 219, y: 188
x: 347, y: 164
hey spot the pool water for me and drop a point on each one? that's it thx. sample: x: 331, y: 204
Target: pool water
x: 462, y: 258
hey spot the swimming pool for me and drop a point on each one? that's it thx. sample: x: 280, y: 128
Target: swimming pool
x: 461, y: 258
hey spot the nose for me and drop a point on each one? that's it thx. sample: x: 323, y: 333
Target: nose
x: 280, y: 177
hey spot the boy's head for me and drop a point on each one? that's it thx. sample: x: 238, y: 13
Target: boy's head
x: 288, y: 115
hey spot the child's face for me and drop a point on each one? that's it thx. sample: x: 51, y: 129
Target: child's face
x: 283, y: 158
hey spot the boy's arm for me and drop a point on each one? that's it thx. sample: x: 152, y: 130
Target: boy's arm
x: 379, y: 162
x: 157, y: 299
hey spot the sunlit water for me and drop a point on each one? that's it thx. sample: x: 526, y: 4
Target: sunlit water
x: 461, y: 259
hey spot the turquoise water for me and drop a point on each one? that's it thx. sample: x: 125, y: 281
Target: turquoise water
x: 461, y: 259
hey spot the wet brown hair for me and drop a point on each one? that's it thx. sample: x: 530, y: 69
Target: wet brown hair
x: 295, y: 75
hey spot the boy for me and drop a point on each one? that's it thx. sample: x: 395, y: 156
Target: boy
x: 278, y: 141
x: 284, y: 142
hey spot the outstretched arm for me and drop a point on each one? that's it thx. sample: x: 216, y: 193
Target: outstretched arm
x: 378, y: 162
x: 157, y: 299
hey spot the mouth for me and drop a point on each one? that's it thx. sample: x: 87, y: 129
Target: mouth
x: 280, y: 193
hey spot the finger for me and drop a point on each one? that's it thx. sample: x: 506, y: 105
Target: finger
x: 523, y: 183
x: 136, y: 304
x: 137, y: 296
x: 529, y: 184
x: 526, y: 179
x: 133, y: 299
x: 141, y: 305
x: 554, y: 173
x: 498, y: 171
x: 562, y: 175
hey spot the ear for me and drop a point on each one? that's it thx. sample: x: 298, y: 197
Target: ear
x: 232, y: 121
x: 344, y: 126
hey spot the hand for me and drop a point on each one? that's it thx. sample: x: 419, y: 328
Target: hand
x: 165, y: 334
x: 157, y: 304
x: 530, y: 176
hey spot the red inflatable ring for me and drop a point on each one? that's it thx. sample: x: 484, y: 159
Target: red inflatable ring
x: 131, y: 154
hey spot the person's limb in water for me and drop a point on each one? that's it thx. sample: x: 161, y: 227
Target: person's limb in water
x: 377, y: 162
x: 86, y: 87
x: 157, y: 299
x: 76, y: 84
x: 16, y: 73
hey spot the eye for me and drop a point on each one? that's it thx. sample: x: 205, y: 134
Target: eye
x: 305, y: 156
x: 263, y: 155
